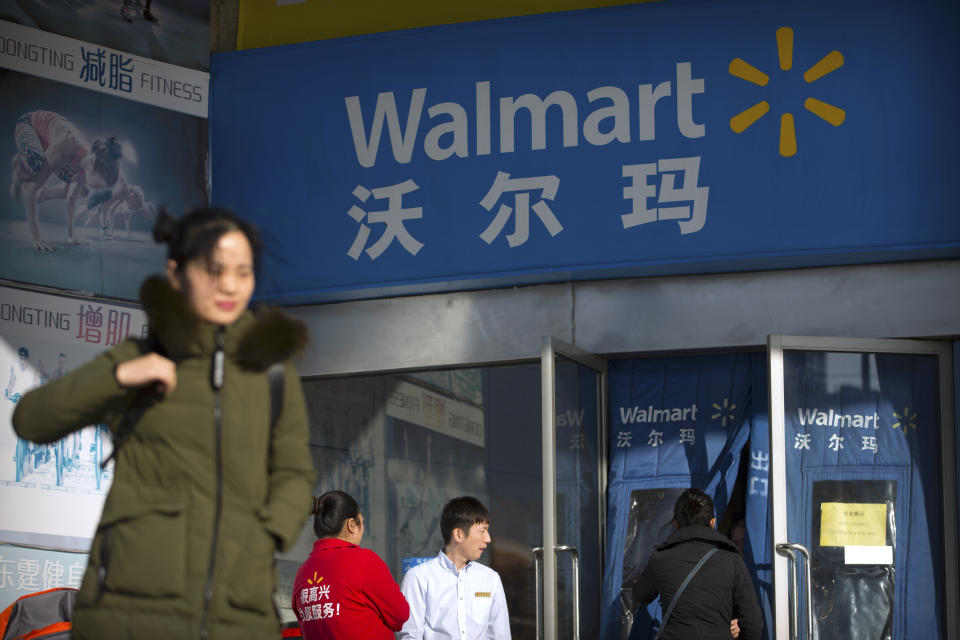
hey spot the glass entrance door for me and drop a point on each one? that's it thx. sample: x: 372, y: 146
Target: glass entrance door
x: 574, y: 461
x: 863, y: 494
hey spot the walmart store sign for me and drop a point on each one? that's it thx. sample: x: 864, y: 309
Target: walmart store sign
x: 656, y: 138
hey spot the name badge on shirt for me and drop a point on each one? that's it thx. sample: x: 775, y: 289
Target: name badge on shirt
x: 482, y: 594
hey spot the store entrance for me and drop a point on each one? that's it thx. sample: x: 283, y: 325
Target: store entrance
x: 841, y: 492
x: 857, y: 446
x: 862, y: 480
x: 525, y: 438
x: 568, y: 580
x: 676, y: 422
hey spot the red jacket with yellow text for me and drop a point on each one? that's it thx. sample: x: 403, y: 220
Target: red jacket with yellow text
x: 344, y: 591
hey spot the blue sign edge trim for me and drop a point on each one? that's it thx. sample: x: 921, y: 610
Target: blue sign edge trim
x: 674, y: 268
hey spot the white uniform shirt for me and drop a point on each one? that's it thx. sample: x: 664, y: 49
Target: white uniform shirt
x: 446, y: 604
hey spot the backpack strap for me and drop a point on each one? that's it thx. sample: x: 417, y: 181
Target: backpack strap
x: 275, y: 374
x: 146, y: 398
x: 683, y: 585
x: 150, y: 397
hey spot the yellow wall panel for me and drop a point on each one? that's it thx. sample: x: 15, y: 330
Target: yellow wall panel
x: 265, y: 23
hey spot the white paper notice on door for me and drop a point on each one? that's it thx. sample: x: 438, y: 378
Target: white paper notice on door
x: 877, y: 554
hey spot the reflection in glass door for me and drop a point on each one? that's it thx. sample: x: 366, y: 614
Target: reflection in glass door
x: 573, y: 440
x: 863, y: 498
x: 403, y: 444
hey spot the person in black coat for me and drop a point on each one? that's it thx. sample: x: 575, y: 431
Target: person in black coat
x: 720, y: 597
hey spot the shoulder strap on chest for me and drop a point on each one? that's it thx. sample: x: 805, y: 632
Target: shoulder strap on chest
x: 275, y: 374
x: 683, y: 585
x: 146, y: 400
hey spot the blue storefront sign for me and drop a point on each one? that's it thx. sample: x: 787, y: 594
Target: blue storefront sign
x: 670, y: 137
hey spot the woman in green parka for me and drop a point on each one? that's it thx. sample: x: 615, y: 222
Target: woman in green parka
x: 207, y: 485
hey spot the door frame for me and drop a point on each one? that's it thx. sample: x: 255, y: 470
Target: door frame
x: 551, y: 348
x: 776, y: 345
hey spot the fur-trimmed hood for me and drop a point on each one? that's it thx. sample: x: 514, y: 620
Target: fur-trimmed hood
x: 257, y: 340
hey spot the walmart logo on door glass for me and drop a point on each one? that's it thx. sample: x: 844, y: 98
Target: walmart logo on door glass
x: 788, y: 135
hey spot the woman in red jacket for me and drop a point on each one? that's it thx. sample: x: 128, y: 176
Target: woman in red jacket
x: 342, y: 590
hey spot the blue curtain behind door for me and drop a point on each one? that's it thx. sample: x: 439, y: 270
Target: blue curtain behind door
x: 757, y: 548
x: 674, y: 423
x: 857, y: 419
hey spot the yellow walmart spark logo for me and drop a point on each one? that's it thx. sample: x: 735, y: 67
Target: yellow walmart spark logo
x: 724, y: 412
x: 314, y: 579
x: 905, y: 420
x: 788, y: 135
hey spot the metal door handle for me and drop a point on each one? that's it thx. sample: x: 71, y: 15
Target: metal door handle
x: 792, y: 594
x: 537, y: 564
x: 576, y: 585
x: 537, y: 572
x: 789, y: 549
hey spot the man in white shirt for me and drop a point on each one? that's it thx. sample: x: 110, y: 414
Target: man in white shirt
x: 453, y: 596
